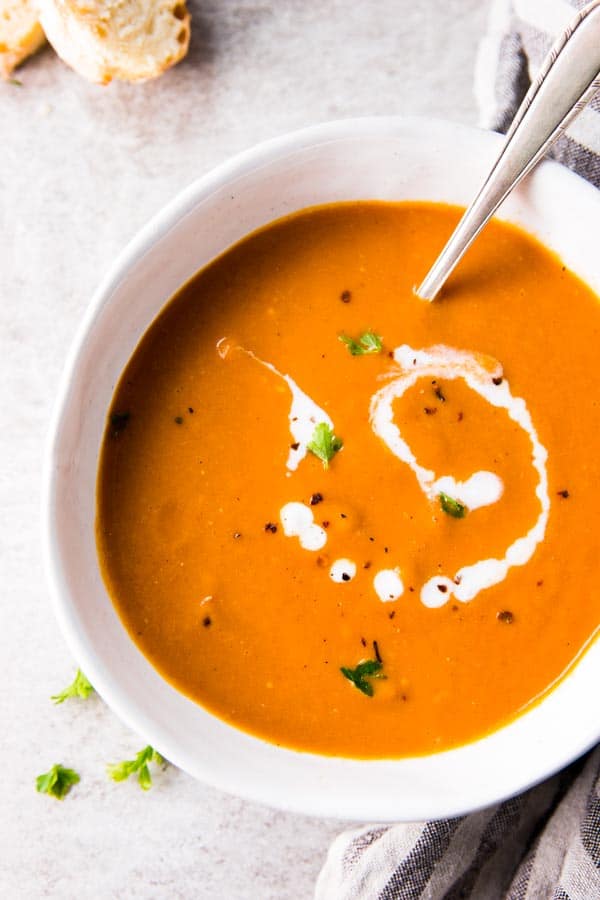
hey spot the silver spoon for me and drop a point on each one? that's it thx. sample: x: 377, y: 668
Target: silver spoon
x: 567, y: 81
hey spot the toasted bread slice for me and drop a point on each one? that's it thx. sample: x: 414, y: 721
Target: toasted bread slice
x: 20, y: 33
x: 131, y: 40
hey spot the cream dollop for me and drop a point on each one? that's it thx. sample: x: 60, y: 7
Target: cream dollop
x: 297, y: 520
x: 388, y: 585
x: 342, y: 571
x: 481, y: 489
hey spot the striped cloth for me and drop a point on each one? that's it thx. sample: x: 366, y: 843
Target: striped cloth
x: 544, y: 844
x: 519, y: 36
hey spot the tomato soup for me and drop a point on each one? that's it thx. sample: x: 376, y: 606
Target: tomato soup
x: 346, y: 520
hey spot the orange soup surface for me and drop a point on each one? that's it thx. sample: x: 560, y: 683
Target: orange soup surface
x: 347, y: 520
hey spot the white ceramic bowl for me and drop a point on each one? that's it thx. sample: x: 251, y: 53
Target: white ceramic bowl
x: 383, y: 158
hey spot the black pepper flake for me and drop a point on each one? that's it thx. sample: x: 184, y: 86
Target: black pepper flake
x: 178, y: 420
x: 411, y: 589
x: 460, y: 416
x: 207, y: 621
x: 391, y: 354
x: 363, y: 642
x: 505, y: 616
x: 372, y: 539
x: 392, y: 614
x: 343, y: 516
x: 118, y: 423
x: 367, y: 565
x: 237, y: 535
x: 539, y: 583
x: 295, y: 445
x: 191, y: 410
x: 386, y: 549
x: 325, y: 524
x: 443, y: 588
x: 564, y: 494
x: 346, y: 296
x: 457, y: 579
x: 270, y: 526
x: 376, y: 652
x: 497, y: 381
x: 439, y: 394
x: 454, y: 607
x: 430, y: 410
x: 345, y: 576
x: 316, y: 498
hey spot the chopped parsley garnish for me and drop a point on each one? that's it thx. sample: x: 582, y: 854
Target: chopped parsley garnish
x: 324, y: 444
x: 57, y: 782
x: 452, y: 507
x: 369, y: 342
x: 121, y: 771
x: 15, y: 82
x: 80, y: 687
x: 369, y: 668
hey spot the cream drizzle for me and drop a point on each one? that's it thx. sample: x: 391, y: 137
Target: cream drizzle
x: 303, y: 417
x: 483, y: 375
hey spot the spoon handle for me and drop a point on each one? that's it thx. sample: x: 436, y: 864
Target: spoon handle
x: 567, y: 81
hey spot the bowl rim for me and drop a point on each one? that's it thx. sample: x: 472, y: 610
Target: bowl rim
x: 143, y: 242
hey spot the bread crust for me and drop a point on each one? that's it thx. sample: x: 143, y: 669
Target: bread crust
x: 20, y: 34
x: 128, y: 40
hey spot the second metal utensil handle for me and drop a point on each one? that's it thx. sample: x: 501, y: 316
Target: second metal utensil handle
x: 569, y: 77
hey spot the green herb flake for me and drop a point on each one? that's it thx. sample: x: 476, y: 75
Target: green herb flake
x: 324, y: 444
x: 121, y: 771
x: 57, y: 782
x: 15, y: 82
x: 80, y: 687
x: 368, y: 668
x: 369, y: 342
x: 452, y: 507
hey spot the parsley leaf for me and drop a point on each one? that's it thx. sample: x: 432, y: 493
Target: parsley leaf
x: 452, y: 507
x: 324, y: 444
x: 369, y: 342
x: 369, y: 668
x: 121, y: 771
x: 79, y: 688
x: 57, y: 782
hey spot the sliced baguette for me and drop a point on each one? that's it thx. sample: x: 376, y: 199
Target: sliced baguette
x: 20, y: 33
x: 131, y: 40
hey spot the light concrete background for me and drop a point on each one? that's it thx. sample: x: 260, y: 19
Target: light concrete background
x: 81, y: 169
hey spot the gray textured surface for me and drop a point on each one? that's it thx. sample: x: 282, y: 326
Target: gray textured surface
x: 81, y: 168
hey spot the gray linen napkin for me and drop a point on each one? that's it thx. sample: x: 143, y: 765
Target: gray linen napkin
x: 520, y: 34
x: 545, y: 843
